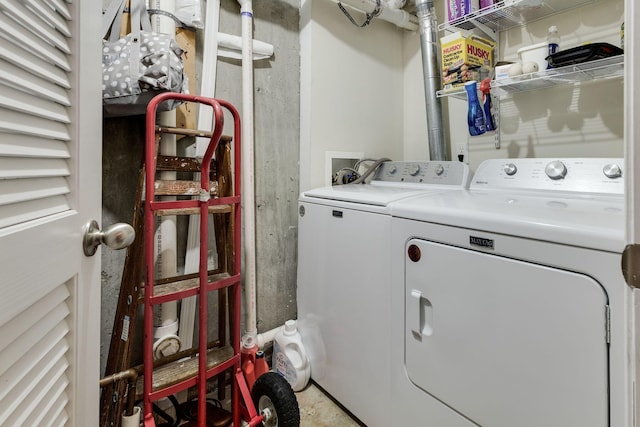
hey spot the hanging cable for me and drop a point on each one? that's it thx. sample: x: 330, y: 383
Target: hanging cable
x: 369, y: 16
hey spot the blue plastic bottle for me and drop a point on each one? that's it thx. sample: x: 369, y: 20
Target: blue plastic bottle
x: 475, y: 115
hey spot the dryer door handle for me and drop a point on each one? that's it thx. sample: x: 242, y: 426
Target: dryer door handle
x: 420, y: 314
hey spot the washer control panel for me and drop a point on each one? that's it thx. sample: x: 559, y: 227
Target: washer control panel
x: 583, y: 175
x: 431, y: 172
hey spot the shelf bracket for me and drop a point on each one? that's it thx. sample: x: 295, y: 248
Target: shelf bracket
x: 488, y: 31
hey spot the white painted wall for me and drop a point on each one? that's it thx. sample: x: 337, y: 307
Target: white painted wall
x: 362, y: 90
x: 583, y: 120
x: 351, y: 89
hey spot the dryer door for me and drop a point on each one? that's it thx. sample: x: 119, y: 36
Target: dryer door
x: 505, y: 343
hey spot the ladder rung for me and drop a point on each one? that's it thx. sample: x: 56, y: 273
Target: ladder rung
x: 190, y: 132
x: 184, y: 369
x: 183, y: 131
x: 193, y: 211
x: 182, y: 188
x: 180, y: 164
x: 182, y: 287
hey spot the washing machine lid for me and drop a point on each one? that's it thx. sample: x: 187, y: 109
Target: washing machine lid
x: 395, y: 181
x: 597, y: 223
x: 366, y: 194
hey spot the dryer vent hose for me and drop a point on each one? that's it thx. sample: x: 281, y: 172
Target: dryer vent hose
x: 362, y: 179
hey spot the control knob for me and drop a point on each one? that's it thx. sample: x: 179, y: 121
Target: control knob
x: 510, y: 169
x: 556, y: 170
x: 392, y: 169
x: 414, y: 168
x: 612, y: 171
x: 439, y: 169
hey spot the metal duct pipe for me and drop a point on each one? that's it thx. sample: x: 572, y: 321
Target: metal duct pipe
x: 429, y: 46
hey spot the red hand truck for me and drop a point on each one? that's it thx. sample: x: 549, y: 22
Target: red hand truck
x: 209, y: 362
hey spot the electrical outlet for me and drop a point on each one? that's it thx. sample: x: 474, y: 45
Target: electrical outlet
x: 461, y: 152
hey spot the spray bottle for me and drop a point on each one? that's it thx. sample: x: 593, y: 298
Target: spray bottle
x: 485, y: 88
x: 475, y: 115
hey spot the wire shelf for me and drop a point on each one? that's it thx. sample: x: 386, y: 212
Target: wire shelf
x: 505, y: 14
x: 600, y: 69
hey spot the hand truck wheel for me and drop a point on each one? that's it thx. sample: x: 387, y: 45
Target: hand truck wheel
x: 274, y: 399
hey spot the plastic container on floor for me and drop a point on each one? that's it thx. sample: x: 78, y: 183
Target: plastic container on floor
x: 289, y: 356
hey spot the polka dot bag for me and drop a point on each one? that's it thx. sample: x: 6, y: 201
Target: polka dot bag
x: 139, y: 66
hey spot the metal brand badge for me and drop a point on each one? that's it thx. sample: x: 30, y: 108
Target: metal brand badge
x: 482, y: 242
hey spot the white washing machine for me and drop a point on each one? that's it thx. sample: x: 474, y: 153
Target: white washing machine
x: 344, y: 280
x: 509, y: 308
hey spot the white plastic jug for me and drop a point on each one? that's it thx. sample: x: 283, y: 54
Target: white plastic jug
x: 289, y: 357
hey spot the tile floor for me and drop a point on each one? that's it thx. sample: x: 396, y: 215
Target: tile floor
x: 318, y: 410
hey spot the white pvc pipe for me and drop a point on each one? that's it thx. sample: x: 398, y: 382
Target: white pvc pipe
x: 230, y: 46
x: 397, y: 17
x: 248, y: 190
x: 205, y: 121
x: 132, y: 420
x: 166, y: 235
x: 266, y: 337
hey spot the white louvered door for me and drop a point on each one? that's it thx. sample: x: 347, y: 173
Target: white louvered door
x: 50, y: 186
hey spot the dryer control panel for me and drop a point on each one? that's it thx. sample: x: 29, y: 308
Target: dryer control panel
x: 579, y: 175
x: 431, y: 172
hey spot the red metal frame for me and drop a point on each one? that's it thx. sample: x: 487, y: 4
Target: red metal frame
x: 240, y: 389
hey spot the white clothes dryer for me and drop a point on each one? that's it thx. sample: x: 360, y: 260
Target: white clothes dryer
x: 344, y: 279
x: 509, y: 307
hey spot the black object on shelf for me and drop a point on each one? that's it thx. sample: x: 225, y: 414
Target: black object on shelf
x: 584, y: 53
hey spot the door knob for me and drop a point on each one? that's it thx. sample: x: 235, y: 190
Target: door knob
x: 115, y: 236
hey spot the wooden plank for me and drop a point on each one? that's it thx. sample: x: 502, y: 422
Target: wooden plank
x: 193, y: 211
x: 177, y: 163
x: 182, y: 164
x: 178, y: 284
x: 125, y: 23
x: 186, y: 113
x: 187, y: 132
x: 180, y: 370
x: 182, y: 188
x: 224, y: 227
x: 112, y: 400
x: 224, y: 223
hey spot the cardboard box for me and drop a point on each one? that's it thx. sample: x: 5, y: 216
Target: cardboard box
x: 458, y: 78
x: 458, y: 8
x: 465, y: 57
